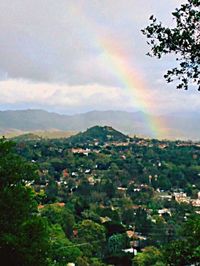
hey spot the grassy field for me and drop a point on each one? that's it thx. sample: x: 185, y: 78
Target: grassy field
x: 50, y: 134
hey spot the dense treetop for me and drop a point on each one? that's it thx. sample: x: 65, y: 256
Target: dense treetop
x: 98, y: 134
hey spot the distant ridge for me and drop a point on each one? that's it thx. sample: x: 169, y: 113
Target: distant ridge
x: 184, y: 126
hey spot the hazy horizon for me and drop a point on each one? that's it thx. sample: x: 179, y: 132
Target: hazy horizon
x: 166, y: 126
x: 81, y: 112
x: 171, y: 113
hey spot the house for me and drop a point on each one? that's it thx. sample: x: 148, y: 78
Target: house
x: 65, y: 173
x: 164, y: 211
x: 164, y: 196
x: 130, y: 250
x: 87, y: 171
x: 122, y: 190
x: 91, y: 180
x: 181, y: 197
x: 130, y: 234
x: 80, y: 151
x: 196, y: 202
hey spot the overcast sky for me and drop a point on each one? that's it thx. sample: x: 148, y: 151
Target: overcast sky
x: 55, y: 55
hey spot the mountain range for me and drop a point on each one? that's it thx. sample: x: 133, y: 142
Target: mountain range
x: 174, y: 126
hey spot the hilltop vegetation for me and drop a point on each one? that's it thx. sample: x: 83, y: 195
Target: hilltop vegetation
x: 51, y: 134
x: 98, y: 135
x: 26, y: 137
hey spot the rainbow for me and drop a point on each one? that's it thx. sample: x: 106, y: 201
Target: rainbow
x: 118, y: 61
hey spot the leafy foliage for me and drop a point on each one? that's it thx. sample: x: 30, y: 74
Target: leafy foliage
x: 23, y: 235
x: 150, y: 256
x: 59, y: 215
x: 116, y: 243
x: 183, y: 40
x: 185, y: 251
x: 92, y: 236
x: 62, y: 250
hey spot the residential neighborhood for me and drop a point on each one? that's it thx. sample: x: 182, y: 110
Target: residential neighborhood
x: 139, y: 191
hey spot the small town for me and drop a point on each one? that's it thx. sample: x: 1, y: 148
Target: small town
x: 100, y: 133
x: 133, y: 193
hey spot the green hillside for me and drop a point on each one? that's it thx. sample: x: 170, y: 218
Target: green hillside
x: 26, y: 137
x: 98, y: 134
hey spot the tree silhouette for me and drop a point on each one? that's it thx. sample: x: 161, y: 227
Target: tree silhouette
x: 183, y: 41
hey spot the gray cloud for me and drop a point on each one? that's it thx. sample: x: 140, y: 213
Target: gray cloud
x: 79, y: 98
x: 58, y: 40
x: 61, y: 97
x: 56, y: 47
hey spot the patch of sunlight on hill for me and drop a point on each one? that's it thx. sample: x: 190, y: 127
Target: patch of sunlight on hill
x: 50, y: 134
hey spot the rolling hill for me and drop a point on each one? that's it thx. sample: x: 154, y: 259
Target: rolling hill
x: 99, y: 134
